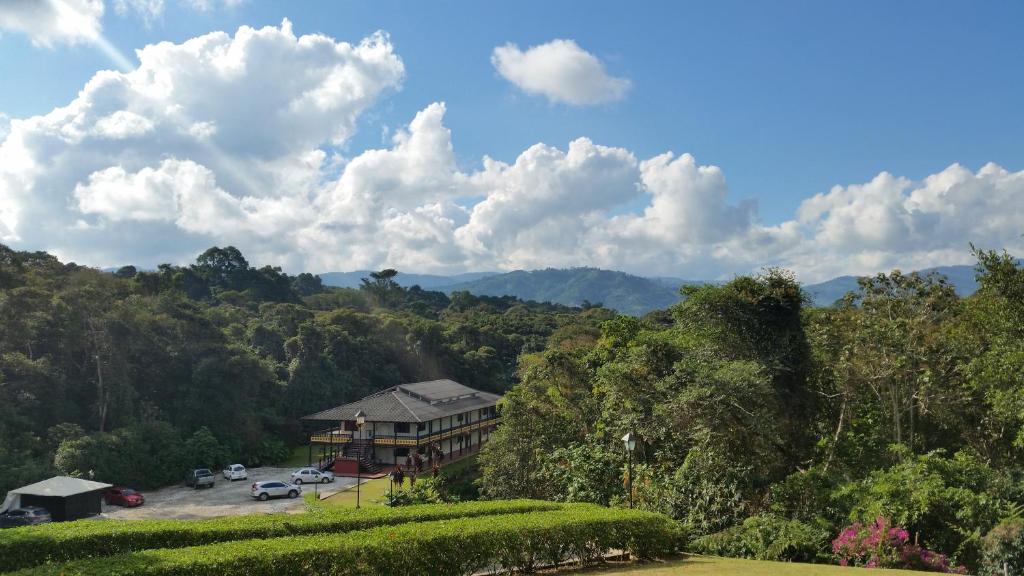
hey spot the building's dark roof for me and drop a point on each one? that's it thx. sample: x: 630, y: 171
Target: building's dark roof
x: 417, y: 402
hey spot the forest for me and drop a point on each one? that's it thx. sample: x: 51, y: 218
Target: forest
x: 887, y: 429
x: 217, y: 361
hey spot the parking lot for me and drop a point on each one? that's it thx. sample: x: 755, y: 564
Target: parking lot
x: 226, y: 498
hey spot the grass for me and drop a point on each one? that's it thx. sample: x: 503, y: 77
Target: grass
x: 371, y: 492
x: 460, y: 466
x: 711, y: 566
x: 298, y: 459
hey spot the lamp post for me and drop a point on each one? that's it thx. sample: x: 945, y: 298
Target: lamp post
x: 630, y: 441
x: 360, y: 420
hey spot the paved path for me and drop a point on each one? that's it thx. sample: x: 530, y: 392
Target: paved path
x: 226, y: 498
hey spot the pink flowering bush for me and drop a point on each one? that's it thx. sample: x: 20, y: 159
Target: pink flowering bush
x: 881, y: 545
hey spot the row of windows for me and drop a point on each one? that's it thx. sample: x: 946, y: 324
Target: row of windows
x: 428, y: 427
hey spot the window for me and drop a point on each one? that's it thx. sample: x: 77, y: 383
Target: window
x: 460, y: 417
x: 421, y: 426
x: 401, y: 427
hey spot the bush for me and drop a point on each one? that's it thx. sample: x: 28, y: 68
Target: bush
x: 767, y: 537
x: 948, y: 503
x: 882, y: 545
x: 519, y: 542
x: 1003, y: 546
x: 32, y: 545
x: 424, y: 491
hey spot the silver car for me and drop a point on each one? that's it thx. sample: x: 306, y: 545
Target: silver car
x: 274, y: 489
x: 312, y: 476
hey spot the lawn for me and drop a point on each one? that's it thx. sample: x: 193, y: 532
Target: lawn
x: 370, y: 491
x: 709, y: 566
x: 298, y: 459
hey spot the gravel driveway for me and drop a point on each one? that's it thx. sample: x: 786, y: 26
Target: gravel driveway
x: 226, y: 498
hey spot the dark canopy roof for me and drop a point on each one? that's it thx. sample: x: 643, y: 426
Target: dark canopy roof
x: 417, y: 402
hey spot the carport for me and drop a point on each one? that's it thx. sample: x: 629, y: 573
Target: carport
x: 64, y: 497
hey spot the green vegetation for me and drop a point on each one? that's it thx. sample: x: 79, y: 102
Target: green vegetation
x: 707, y: 566
x: 767, y: 427
x: 214, y: 363
x: 455, y: 546
x: 371, y: 493
x: 32, y: 545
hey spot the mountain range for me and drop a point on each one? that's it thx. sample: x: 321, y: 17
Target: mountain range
x: 627, y: 293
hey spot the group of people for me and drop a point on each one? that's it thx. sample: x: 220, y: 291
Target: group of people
x: 414, y: 465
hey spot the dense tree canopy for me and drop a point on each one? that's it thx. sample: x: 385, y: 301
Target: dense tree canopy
x: 218, y: 360
x: 902, y: 400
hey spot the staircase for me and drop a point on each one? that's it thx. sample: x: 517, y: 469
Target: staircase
x: 361, y: 450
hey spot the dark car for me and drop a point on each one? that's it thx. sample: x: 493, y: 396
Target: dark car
x: 121, y: 496
x: 199, y: 477
x: 26, y: 516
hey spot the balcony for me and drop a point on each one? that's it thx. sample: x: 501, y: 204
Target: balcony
x: 339, y: 437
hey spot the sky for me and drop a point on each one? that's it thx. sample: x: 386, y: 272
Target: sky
x: 688, y: 139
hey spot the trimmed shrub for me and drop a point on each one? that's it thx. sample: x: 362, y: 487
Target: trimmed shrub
x: 768, y: 537
x: 1003, y: 547
x: 59, y: 542
x: 461, y: 546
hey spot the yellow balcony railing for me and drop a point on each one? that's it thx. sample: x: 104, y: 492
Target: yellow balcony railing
x: 340, y: 438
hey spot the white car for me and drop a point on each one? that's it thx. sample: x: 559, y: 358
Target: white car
x: 274, y: 489
x: 235, y: 472
x: 312, y: 476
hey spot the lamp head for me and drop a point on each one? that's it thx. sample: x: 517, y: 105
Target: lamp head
x: 360, y: 418
x: 630, y: 441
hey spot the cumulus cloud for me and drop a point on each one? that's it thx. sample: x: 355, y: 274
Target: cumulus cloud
x: 561, y: 71
x: 226, y: 139
x: 50, y: 22
x: 252, y: 109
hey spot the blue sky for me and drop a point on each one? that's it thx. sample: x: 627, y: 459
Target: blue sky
x: 788, y: 98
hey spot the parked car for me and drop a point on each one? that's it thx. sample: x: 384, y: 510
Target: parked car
x: 311, y: 476
x: 121, y: 496
x: 200, y: 477
x: 25, y: 516
x: 235, y: 472
x: 274, y: 489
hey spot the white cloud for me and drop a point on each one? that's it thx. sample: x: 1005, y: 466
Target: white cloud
x: 50, y: 22
x: 251, y: 109
x: 207, y: 5
x: 561, y: 71
x: 148, y: 10
x: 221, y: 140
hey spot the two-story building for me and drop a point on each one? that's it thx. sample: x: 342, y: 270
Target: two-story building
x: 435, y: 417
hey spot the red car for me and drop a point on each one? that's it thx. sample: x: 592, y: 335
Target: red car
x: 121, y: 496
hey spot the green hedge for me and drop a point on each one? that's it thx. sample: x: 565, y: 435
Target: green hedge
x: 58, y: 542
x: 448, y: 547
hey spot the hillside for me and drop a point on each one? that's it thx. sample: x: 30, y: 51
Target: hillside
x: 827, y: 292
x: 623, y: 292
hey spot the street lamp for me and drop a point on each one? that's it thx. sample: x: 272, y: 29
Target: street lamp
x: 360, y: 420
x: 630, y: 441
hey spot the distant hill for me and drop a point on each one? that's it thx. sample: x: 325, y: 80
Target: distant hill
x: 425, y: 281
x: 826, y: 293
x: 625, y: 293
